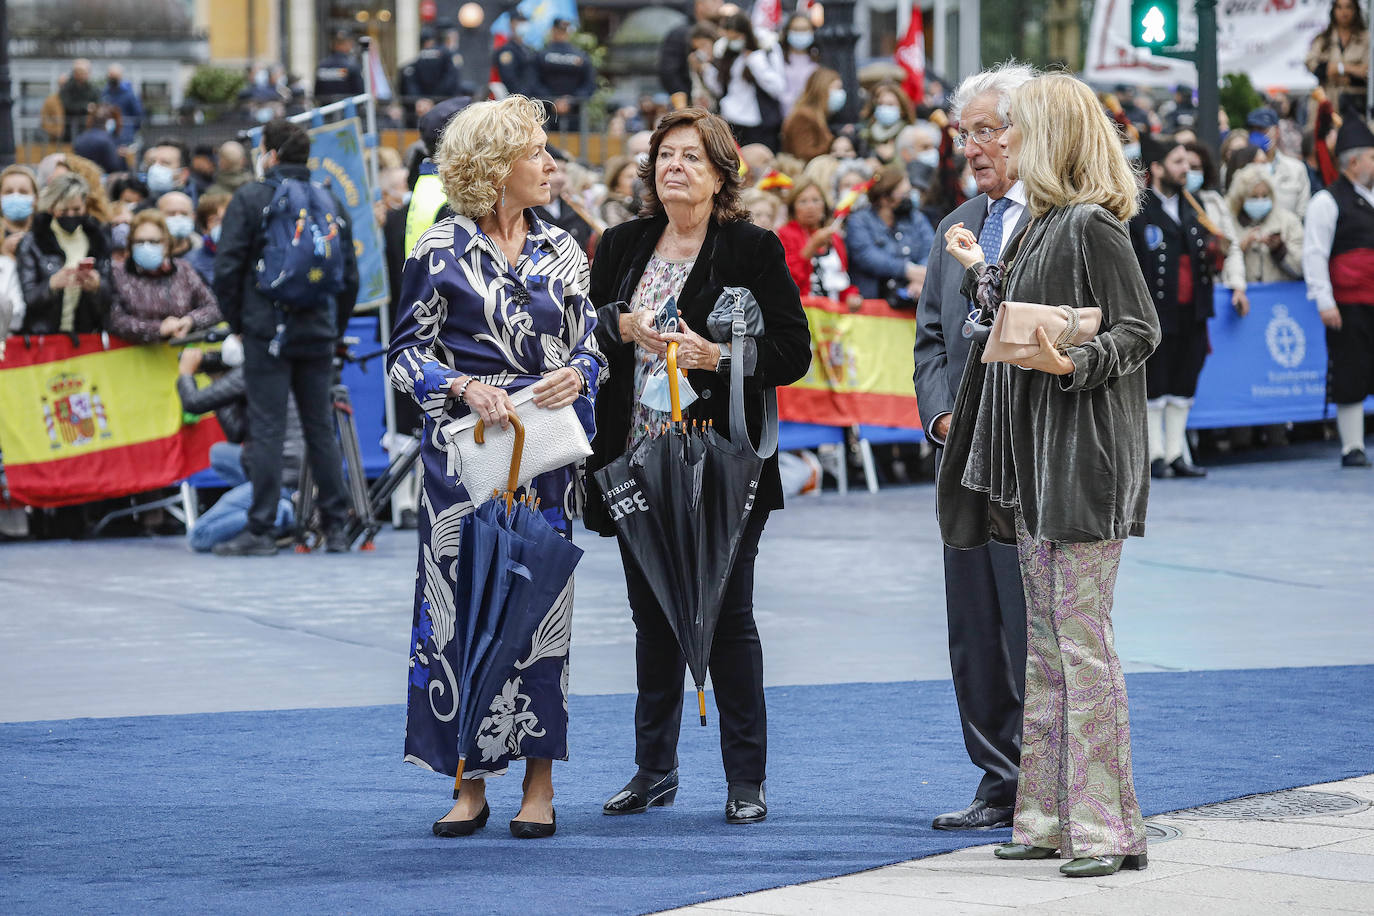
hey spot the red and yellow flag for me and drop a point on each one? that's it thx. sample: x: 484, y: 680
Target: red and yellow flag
x: 87, y: 421
x: 861, y: 368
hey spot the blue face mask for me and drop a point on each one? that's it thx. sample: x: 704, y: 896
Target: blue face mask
x: 1257, y: 208
x: 1194, y: 181
x: 656, y: 395
x: 16, y: 207
x: 180, y: 226
x: 214, y: 233
x: 161, y: 178
x: 887, y: 115
x: 800, y: 40
x: 148, y: 255
x: 836, y: 100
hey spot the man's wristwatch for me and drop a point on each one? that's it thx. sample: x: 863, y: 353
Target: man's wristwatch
x: 723, y: 363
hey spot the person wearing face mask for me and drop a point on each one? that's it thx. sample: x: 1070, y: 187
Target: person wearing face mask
x: 1202, y: 184
x: 176, y: 208
x: 158, y: 297
x: 889, y: 242
x: 209, y: 212
x: 806, y: 133
x: 888, y: 112
x: 800, y: 59
x: 918, y: 151
x: 1292, y: 188
x: 18, y: 190
x: 517, y: 63
x: 97, y: 141
x: 676, y: 69
x: 64, y: 263
x: 165, y: 164
x: 1338, y: 266
x: 1172, y: 245
x: 124, y: 98
x: 1270, y: 243
x: 748, y: 79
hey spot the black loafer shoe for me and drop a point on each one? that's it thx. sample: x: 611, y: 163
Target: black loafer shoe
x: 533, y: 830
x: 1159, y: 470
x: 1355, y: 458
x: 1182, y: 468
x: 639, y: 795
x: 745, y: 805
x: 464, y: 828
x: 977, y: 816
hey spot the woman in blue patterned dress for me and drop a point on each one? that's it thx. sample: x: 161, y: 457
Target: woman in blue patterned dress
x: 493, y: 300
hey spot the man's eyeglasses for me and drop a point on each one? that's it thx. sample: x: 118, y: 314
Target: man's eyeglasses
x: 982, y: 136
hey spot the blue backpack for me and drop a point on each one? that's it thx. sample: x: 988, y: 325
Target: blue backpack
x: 302, y: 263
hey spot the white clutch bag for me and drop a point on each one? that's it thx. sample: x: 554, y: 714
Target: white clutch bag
x: 551, y: 439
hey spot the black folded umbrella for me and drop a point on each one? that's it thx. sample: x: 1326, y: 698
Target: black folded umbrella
x: 680, y: 502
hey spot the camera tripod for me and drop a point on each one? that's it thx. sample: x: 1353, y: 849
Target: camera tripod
x: 368, y: 504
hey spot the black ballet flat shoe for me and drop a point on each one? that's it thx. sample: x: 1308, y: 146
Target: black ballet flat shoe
x: 745, y: 805
x: 977, y: 816
x: 532, y: 830
x: 640, y: 794
x: 1185, y: 469
x: 463, y: 828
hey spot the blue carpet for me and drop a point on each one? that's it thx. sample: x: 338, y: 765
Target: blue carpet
x: 312, y: 810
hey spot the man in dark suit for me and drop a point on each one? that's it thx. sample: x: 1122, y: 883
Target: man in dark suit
x: 983, y: 594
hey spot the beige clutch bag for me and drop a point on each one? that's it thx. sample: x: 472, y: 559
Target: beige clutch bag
x: 1012, y: 337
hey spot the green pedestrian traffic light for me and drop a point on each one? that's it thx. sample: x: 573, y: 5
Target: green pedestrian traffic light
x: 1154, y: 23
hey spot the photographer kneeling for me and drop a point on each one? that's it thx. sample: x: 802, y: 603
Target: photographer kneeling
x: 226, y: 396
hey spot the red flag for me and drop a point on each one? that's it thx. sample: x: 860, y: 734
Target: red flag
x: 766, y: 16
x: 911, y: 57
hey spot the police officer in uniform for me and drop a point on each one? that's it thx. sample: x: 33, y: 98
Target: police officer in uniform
x: 431, y: 74
x: 1338, y: 265
x: 566, y: 74
x: 1171, y: 245
x: 338, y: 76
x: 517, y: 63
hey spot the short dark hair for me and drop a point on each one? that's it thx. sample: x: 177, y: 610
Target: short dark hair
x: 720, y: 150
x: 178, y: 145
x: 885, y: 182
x: 121, y: 183
x: 289, y: 141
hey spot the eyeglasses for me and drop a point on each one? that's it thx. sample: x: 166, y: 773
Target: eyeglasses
x: 982, y: 136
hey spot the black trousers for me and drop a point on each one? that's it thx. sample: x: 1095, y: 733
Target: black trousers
x: 985, y: 603
x: 267, y: 379
x: 1350, y: 355
x: 736, y: 671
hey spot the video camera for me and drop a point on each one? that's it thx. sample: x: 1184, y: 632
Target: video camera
x: 212, y: 361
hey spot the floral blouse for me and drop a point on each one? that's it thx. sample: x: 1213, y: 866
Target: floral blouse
x: 663, y: 279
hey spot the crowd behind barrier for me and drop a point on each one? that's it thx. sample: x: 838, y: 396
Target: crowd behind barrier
x: 99, y: 418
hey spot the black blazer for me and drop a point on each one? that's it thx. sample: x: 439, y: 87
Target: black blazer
x: 1160, y: 243
x: 733, y: 254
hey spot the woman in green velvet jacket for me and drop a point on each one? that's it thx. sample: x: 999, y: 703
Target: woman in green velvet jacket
x: 1052, y: 451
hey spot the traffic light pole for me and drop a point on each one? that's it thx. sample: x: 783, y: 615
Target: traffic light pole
x: 1204, y: 58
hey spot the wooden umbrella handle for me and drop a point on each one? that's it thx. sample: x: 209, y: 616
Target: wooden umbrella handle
x: 517, y: 452
x: 672, y: 382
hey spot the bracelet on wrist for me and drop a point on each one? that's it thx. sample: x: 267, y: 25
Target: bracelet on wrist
x: 463, y: 388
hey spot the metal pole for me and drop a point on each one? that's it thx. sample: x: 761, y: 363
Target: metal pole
x: 837, y: 40
x: 1208, y: 94
x: 6, y: 102
x: 1369, y: 71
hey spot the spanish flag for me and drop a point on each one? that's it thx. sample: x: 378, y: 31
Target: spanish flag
x: 851, y: 197
x: 94, y: 420
x: 861, y: 367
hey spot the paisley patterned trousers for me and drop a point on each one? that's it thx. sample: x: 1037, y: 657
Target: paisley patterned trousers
x: 1075, y: 793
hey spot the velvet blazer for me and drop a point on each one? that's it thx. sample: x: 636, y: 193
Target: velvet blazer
x: 1070, y: 449
x: 733, y: 254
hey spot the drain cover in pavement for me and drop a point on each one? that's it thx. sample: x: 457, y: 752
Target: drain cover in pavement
x: 1288, y: 803
x: 1158, y: 833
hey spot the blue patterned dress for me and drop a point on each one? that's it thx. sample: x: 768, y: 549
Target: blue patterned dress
x: 464, y: 311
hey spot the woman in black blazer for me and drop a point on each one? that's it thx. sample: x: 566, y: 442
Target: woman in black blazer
x: 695, y: 241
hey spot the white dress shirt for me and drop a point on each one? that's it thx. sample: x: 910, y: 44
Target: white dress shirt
x: 1318, y: 234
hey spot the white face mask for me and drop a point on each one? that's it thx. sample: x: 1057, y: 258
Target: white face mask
x: 656, y: 395
x: 836, y: 100
x: 735, y: 44
x: 1132, y: 151
x: 930, y: 157
x: 970, y: 186
x: 1257, y: 208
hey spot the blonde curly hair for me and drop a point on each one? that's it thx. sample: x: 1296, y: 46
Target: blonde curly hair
x: 479, y: 147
